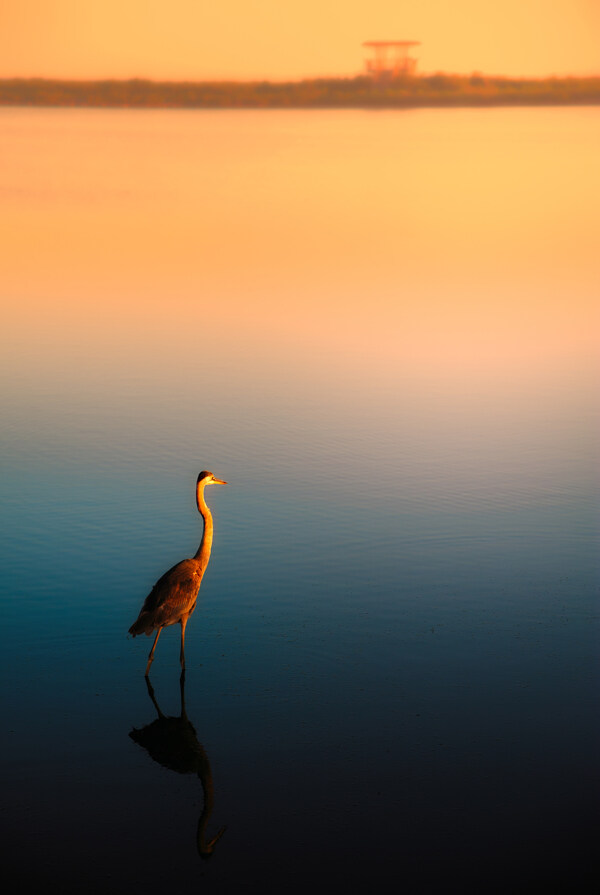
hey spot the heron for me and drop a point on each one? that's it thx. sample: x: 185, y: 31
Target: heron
x: 173, y: 597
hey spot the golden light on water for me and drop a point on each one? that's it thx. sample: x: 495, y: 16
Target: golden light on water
x: 318, y: 254
x: 381, y: 329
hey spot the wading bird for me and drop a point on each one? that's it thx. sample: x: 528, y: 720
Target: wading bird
x: 173, y: 597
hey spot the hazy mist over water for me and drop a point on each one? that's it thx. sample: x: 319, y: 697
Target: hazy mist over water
x: 382, y: 330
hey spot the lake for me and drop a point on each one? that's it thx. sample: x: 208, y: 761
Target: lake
x: 382, y: 330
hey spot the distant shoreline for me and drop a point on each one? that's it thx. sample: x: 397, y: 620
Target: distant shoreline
x: 425, y: 91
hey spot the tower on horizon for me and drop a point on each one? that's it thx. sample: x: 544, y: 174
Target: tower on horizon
x: 391, y: 59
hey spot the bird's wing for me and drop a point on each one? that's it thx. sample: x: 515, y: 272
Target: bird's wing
x: 176, y: 587
x: 173, y: 596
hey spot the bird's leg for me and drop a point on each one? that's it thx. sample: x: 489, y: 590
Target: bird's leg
x: 151, y: 656
x: 182, y: 654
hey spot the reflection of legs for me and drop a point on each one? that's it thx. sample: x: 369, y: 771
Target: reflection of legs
x: 182, y: 654
x: 151, y: 656
x: 153, y: 697
x: 182, y: 691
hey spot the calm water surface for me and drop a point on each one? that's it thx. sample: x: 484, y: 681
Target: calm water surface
x: 381, y: 329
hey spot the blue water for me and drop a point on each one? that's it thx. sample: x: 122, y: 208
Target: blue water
x: 391, y: 674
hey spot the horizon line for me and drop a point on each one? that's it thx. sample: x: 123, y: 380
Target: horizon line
x: 291, y: 80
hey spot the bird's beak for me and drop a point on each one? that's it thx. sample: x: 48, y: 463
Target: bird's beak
x: 218, y: 481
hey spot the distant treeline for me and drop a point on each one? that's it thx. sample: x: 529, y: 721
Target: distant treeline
x: 359, y: 92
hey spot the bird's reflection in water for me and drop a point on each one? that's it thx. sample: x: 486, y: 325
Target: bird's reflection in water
x: 173, y: 743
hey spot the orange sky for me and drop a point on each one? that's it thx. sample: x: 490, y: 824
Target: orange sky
x: 196, y: 39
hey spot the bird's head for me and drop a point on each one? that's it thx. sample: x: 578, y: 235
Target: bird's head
x: 207, y: 478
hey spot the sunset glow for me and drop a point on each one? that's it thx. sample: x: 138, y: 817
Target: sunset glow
x: 392, y: 310
x: 368, y: 301
x: 194, y: 39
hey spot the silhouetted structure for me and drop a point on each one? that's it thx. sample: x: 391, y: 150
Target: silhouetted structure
x: 391, y: 59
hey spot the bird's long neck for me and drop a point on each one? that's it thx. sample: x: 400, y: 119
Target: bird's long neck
x: 203, y: 552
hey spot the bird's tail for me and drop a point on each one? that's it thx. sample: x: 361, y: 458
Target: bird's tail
x: 142, y: 625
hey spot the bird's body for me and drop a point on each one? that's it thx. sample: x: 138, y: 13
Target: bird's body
x: 173, y: 597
